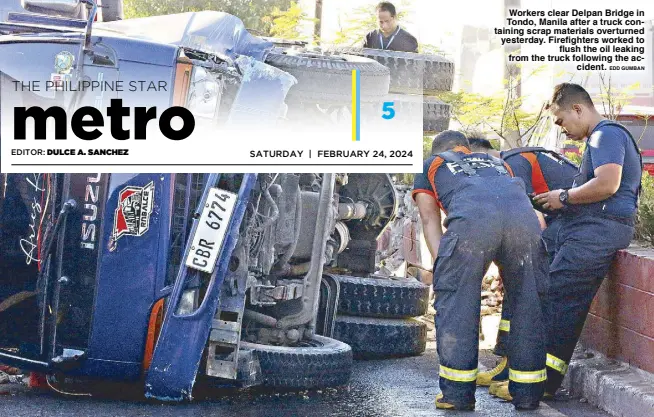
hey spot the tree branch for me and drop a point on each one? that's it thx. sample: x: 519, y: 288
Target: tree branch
x: 506, y: 104
x: 538, y: 119
x: 517, y: 123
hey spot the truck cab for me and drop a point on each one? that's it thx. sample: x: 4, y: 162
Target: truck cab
x: 160, y: 279
x: 157, y: 278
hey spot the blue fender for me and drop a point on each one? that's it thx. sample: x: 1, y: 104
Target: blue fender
x: 182, y: 340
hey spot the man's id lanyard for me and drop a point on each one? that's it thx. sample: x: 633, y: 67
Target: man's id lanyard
x: 381, y: 39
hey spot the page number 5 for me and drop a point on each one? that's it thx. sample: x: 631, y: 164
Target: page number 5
x: 389, y: 111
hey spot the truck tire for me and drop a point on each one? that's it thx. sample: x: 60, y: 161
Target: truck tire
x: 321, y: 362
x: 373, y: 338
x: 382, y: 297
x: 435, y: 113
x: 410, y: 73
x: 327, y: 79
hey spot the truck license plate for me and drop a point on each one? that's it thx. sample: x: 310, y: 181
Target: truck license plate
x: 211, y: 231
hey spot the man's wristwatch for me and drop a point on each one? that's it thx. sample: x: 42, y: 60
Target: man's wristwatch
x: 563, y: 198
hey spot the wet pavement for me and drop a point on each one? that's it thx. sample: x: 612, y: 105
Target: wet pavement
x: 397, y: 388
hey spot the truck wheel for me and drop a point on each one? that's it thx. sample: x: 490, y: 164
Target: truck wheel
x: 435, y: 115
x: 327, y: 79
x: 372, y: 338
x: 410, y: 73
x: 382, y: 297
x: 319, y: 363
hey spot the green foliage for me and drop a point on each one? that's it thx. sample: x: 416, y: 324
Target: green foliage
x: 645, y: 218
x: 499, y: 114
x: 471, y: 110
x: 426, y: 146
x: 645, y: 215
x: 361, y: 21
x: 427, y: 48
x: 612, y: 100
x: 404, y: 178
x: 286, y: 24
x: 408, y: 178
x: 573, y: 156
x: 489, y: 114
x: 252, y: 13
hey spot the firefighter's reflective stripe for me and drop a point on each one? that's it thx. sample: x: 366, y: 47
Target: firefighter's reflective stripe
x: 457, y: 375
x: 505, y: 325
x: 557, y: 364
x: 538, y: 182
x: 431, y: 172
x: 527, y: 377
x: 508, y: 168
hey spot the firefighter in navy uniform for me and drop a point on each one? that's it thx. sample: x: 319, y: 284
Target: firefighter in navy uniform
x: 541, y: 170
x: 597, y: 220
x: 489, y: 219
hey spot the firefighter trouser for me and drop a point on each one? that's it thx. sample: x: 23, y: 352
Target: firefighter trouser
x: 585, y: 249
x: 502, y: 341
x: 510, y: 236
x: 549, y: 238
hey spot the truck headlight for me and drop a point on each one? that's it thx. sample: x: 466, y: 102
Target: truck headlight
x: 188, y: 303
x: 204, y: 93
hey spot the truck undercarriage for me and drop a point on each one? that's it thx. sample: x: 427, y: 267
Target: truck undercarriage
x: 268, y: 292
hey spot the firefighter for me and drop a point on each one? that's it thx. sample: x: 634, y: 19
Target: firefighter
x: 489, y: 219
x: 597, y: 219
x: 541, y: 170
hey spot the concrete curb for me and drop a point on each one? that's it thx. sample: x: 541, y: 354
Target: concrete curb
x: 615, y: 387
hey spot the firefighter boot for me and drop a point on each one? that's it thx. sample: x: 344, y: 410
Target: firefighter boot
x: 440, y: 404
x: 500, y: 390
x: 497, y: 374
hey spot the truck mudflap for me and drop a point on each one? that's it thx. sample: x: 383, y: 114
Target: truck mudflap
x: 183, y: 338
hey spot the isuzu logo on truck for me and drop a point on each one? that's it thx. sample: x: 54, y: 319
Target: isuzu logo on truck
x: 90, y: 216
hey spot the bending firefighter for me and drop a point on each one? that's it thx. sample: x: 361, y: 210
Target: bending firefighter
x: 541, y: 170
x: 489, y: 219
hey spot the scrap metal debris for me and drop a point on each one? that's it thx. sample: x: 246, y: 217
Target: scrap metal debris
x: 492, y: 293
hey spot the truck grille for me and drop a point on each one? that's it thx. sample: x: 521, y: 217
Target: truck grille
x: 186, y: 196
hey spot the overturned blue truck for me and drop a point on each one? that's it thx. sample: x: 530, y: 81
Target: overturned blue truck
x: 165, y: 279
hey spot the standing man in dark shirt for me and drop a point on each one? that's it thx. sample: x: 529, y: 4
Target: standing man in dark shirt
x: 597, y: 220
x: 390, y: 36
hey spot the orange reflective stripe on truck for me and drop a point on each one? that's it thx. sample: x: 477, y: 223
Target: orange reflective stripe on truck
x: 154, y: 325
x: 183, y: 71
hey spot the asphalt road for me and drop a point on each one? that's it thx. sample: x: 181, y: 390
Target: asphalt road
x: 397, y: 388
